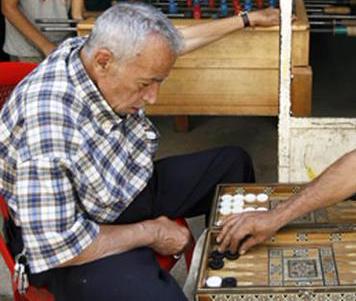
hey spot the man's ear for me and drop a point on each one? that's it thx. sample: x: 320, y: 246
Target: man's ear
x: 103, y: 59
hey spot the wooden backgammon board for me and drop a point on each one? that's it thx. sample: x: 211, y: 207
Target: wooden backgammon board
x: 312, y: 259
x: 341, y: 216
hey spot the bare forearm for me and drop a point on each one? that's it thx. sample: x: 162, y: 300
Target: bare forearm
x: 19, y: 20
x: 114, y: 239
x: 77, y: 9
x: 335, y: 184
x: 201, y: 34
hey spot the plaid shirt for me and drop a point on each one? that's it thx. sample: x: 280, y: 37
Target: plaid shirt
x: 68, y: 162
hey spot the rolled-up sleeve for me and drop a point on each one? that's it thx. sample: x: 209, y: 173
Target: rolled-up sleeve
x: 54, y: 228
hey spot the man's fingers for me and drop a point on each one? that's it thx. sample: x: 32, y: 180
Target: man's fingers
x: 228, y: 223
x: 233, y: 238
x: 247, y: 244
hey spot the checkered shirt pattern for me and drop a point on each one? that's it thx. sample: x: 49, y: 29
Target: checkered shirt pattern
x: 68, y: 162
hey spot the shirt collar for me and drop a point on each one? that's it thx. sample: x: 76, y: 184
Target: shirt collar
x: 90, y: 94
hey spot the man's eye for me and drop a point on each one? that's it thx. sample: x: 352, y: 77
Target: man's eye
x: 144, y: 85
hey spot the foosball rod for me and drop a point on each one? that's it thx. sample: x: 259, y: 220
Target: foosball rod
x: 335, y: 2
x: 337, y: 10
x: 349, y: 31
x: 328, y: 17
x: 333, y: 23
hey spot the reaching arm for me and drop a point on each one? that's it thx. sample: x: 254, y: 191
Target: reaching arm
x: 335, y: 184
x: 163, y: 235
x: 196, y: 36
x: 77, y: 9
x: 243, y: 231
x: 18, y: 19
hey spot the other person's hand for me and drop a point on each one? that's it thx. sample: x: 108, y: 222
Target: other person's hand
x: 264, y: 17
x: 240, y: 232
x: 169, y: 238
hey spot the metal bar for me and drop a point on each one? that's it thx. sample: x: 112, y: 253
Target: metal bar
x: 55, y: 21
x: 339, y: 17
x: 59, y: 29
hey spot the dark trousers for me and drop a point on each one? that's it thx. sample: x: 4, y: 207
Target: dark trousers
x: 181, y: 186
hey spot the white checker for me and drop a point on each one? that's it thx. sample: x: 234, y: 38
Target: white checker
x: 261, y: 209
x: 225, y: 211
x: 239, y: 197
x: 218, y: 223
x: 250, y: 197
x: 249, y: 209
x: 213, y: 281
x: 237, y: 210
x: 239, y: 203
x: 226, y: 197
x: 225, y: 203
x: 262, y: 197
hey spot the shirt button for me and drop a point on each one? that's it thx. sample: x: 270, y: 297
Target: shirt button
x: 151, y: 135
x: 107, y: 126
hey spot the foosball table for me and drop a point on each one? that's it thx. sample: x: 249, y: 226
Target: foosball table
x: 237, y: 75
x: 311, y: 259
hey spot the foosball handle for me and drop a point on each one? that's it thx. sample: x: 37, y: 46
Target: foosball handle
x: 349, y: 31
x: 248, y: 5
x: 224, y: 10
x: 196, y: 10
x: 337, y: 10
x: 259, y: 4
x: 272, y: 3
x: 237, y: 6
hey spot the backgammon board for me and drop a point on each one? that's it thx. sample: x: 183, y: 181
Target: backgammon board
x: 341, y: 216
x: 314, y: 266
x: 311, y: 259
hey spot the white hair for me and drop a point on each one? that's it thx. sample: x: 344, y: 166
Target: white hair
x: 123, y: 29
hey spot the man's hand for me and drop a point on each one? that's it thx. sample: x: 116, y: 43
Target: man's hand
x: 264, y: 17
x: 240, y: 232
x: 169, y: 238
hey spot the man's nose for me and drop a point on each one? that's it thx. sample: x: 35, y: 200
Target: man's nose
x: 151, y: 94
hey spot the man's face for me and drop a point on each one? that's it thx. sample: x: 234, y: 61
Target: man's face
x: 129, y: 86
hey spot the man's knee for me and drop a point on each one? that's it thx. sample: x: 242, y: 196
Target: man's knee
x: 239, y: 162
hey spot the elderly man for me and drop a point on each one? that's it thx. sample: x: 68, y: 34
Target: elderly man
x: 89, y: 203
x: 243, y: 231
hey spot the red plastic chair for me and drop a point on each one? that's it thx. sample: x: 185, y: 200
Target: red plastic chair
x: 11, y: 73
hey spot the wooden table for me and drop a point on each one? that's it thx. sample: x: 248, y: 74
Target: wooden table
x: 237, y: 75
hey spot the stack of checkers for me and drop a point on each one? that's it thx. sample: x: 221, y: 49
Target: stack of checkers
x: 239, y: 203
x: 216, y: 259
x: 216, y: 262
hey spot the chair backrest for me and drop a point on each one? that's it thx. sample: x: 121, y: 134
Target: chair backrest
x: 11, y: 73
x: 4, y: 250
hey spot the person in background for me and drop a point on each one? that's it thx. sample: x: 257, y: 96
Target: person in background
x: 240, y: 232
x: 23, y: 39
x: 3, y: 55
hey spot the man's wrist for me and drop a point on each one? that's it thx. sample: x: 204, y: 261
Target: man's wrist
x: 148, y: 228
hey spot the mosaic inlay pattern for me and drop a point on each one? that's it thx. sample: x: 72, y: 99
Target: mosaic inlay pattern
x: 302, y: 266
x: 240, y: 190
x: 284, y: 297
